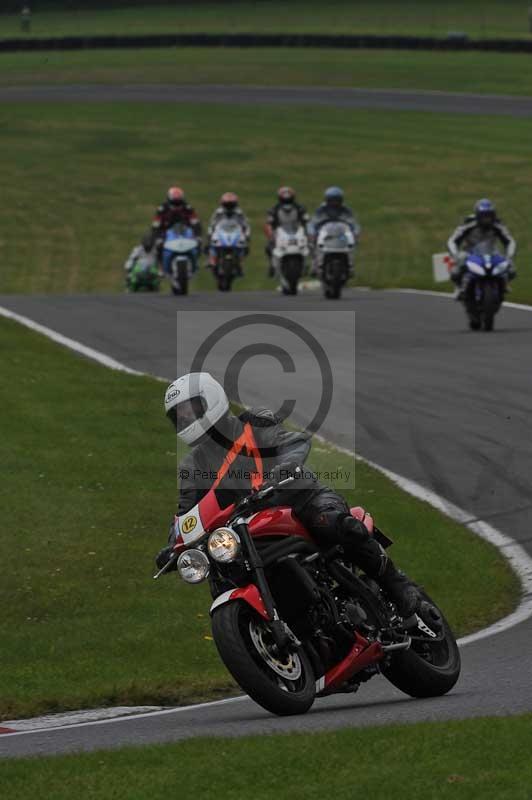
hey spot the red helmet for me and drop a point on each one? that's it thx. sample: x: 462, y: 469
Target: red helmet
x: 176, y: 196
x: 286, y: 194
x: 229, y: 201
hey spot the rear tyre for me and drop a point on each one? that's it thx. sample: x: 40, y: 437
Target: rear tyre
x: 282, y: 685
x: 427, y: 669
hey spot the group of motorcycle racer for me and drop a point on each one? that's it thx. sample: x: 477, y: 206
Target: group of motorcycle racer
x: 287, y: 211
x: 238, y: 455
x: 482, y: 227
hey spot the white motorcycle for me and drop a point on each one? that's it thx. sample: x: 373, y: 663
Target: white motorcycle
x: 335, y: 257
x: 288, y: 257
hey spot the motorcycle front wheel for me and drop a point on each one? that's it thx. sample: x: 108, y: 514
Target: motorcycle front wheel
x: 225, y: 277
x: 292, y: 269
x: 334, y: 279
x: 430, y: 668
x: 282, y: 684
x: 490, y: 306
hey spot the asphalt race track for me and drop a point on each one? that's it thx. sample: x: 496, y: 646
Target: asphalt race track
x: 434, y: 402
x: 391, y: 99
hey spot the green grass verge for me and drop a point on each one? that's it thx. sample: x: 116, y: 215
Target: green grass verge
x: 467, y: 760
x: 98, y: 171
x: 460, y: 72
x: 428, y: 17
x: 87, y: 491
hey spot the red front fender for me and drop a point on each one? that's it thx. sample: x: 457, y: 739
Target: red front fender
x: 249, y: 594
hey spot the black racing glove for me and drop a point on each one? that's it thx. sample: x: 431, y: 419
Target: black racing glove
x: 163, y: 557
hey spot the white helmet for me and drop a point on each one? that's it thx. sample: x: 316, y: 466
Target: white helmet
x: 194, y: 404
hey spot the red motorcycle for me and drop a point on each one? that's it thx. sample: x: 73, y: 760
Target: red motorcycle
x: 291, y: 621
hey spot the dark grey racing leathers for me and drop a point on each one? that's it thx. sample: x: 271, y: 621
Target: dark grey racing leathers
x: 323, y: 512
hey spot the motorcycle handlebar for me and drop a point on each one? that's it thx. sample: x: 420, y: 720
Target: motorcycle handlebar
x: 261, y: 494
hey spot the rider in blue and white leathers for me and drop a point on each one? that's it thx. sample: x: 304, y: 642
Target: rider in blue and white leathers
x: 229, y: 208
x: 332, y: 209
x: 482, y: 227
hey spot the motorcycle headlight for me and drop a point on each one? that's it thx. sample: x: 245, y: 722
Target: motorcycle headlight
x: 193, y: 566
x: 223, y: 545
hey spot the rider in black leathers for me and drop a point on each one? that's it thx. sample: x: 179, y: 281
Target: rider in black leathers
x: 322, y: 510
x: 286, y: 212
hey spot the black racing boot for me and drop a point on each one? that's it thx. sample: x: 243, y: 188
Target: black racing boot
x: 367, y: 554
x: 399, y: 589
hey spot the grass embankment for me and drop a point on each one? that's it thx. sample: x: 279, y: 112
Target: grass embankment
x: 87, y: 491
x: 81, y: 182
x: 373, y: 69
x: 468, y: 760
x: 431, y: 17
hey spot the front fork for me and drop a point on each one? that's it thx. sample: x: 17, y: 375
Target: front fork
x: 282, y: 636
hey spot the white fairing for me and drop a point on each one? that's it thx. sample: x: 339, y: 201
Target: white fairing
x: 189, y: 526
x: 221, y: 599
x: 500, y: 268
x: 181, y: 245
x: 476, y: 268
x: 335, y: 237
x: 228, y: 227
x: 290, y: 242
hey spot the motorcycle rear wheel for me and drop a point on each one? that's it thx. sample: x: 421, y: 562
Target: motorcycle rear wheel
x: 426, y: 669
x: 282, y: 685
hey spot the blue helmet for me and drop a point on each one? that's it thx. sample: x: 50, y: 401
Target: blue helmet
x: 334, y: 196
x: 485, y: 212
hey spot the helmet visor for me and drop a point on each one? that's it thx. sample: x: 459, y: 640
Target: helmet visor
x: 184, y: 414
x: 485, y: 218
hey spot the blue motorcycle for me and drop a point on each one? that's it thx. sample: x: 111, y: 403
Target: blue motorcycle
x: 227, y: 249
x: 484, y: 287
x: 180, y: 256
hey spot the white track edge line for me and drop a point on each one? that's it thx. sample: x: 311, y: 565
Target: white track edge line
x: 450, y: 296
x: 72, y: 344
x: 123, y: 718
x: 516, y: 555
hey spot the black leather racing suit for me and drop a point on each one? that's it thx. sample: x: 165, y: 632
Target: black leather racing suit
x: 322, y: 510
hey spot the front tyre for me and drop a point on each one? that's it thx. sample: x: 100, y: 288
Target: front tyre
x: 490, y: 305
x: 427, y: 669
x: 283, y: 685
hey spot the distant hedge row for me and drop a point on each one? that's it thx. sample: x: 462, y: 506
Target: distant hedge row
x: 451, y: 42
x: 13, y: 6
